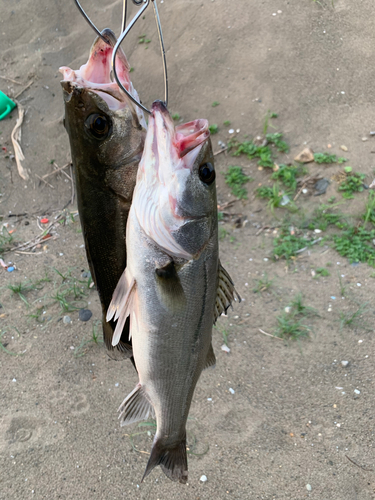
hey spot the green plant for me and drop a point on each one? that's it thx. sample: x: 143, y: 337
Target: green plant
x: 70, y: 294
x: 5, y: 241
x: 222, y: 233
x: 214, y: 129
x: 328, y: 158
x: 342, y: 286
x: 263, y: 152
x: 353, y: 319
x: 276, y: 139
x: 21, y: 289
x: 226, y: 123
x: 298, y: 308
x: 262, y: 284
x: 274, y: 195
x: 323, y: 217
x: 288, y: 327
x: 220, y: 216
x: 355, y: 243
x: 236, y: 179
x: 214, y: 104
x: 322, y: 271
x: 288, y: 244
x: 352, y: 184
x: 288, y: 175
x: 176, y: 117
x: 370, y: 208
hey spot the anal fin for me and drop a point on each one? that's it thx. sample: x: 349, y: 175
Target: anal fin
x: 135, y: 407
x: 211, y: 359
x: 226, y: 293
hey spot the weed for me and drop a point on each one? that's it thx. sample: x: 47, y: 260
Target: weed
x: 288, y: 175
x: 274, y: 195
x: 220, y: 216
x: 70, y: 294
x: 5, y: 241
x: 226, y: 123
x: 322, y: 272
x: 370, y: 208
x: 354, y: 319
x: 288, y: 327
x: 214, y: 129
x: 331, y: 199
x: 235, y: 178
x: 355, y: 243
x: 276, y: 139
x: 3, y: 346
x: 323, y: 217
x: 214, y: 104
x: 222, y: 233
x: 266, y: 121
x: 342, y: 286
x: 176, y: 117
x: 287, y: 244
x: 327, y: 158
x: 298, y: 308
x: 96, y: 339
x: 224, y: 332
x: 263, y: 152
x: 352, y: 184
x: 21, y: 289
x: 262, y: 284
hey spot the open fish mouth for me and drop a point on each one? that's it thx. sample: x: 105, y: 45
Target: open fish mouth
x: 169, y: 156
x: 96, y: 74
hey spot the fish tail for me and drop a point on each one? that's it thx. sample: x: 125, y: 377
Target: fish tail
x: 172, y: 460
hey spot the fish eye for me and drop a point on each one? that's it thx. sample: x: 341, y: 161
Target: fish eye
x: 207, y: 173
x: 98, y: 125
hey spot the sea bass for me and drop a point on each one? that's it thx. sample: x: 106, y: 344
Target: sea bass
x: 106, y: 136
x: 173, y: 287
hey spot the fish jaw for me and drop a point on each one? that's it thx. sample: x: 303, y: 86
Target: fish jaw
x: 96, y: 75
x: 164, y: 182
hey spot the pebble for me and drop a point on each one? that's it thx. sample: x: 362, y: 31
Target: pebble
x: 287, y: 309
x: 356, y: 391
x: 225, y: 348
x: 317, y: 231
x: 232, y: 391
x: 231, y: 131
x: 203, y: 479
x: 86, y: 274
x: 344, y: 363
x: 364, y: 139
x: 359, y: 284
x: 308, y: 487
x: 67, y: 320
x: 344, y: 148
x: 84, y: 314
x: 305, y: 191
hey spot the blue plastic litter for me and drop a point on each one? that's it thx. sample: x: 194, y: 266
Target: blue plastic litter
x: 10, y: 269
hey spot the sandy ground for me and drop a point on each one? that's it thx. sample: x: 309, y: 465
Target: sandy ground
x: 294, y: 427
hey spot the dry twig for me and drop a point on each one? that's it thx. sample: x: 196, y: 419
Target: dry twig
x: 25, y: 88
x: 10, y: 80
x: 269, y: 335
x: 360, y: 466
x: 45, y: 182
x: 221, y: 151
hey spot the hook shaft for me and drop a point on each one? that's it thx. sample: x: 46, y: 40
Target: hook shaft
x: 121, y: 38
x: 90, y: 22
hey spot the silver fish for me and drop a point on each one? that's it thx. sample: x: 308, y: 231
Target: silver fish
x: 173, y: 287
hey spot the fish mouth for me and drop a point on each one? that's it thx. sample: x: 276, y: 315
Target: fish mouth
x: 167, y: 162
x: 96, y: 74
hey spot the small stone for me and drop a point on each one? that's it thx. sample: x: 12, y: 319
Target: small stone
x: 356, y: 391
x: 305, y: 191
x: 321, y: 186
x: 225, y: 348
x: 85, y: 274
x: 359, y: 284
x: 344, y: 148
x: 329, y: 146
x: 287, y: 309
x: 317, y: 231
x: 308, y: 487
x: 67, y: 320
x: 203, y: 479
x: 231, y: 131
x: 364, y: 139
x: 344, y: 363
x: 232, y: 391
x: 84, y: 314
x: 305, y: 156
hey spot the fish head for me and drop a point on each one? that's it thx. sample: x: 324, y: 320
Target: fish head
x: 176, y: 190
x: 103, y: 125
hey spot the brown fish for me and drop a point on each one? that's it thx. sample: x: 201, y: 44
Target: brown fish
x: 107, y: 133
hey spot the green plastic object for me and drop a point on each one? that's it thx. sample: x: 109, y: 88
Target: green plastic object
x: 6, y: 105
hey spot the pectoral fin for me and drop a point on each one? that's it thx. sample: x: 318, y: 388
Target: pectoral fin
x: 169, y: 288
x: 226, y: 293
x: 122, y: 304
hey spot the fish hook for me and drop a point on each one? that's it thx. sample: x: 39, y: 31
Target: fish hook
x: 123, y: 23
x: 125, y: 31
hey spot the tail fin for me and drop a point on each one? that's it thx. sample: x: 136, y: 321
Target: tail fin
x: 173, y: 461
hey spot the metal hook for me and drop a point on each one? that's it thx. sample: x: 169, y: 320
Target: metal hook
x: 90, y: 22
x: 121, y: 38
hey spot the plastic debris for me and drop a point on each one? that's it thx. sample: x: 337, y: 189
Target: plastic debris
x: 232, y: 391
x: 44, y: 220
x: 356, y: 391
x: 203, y: 479
x: 308, y: 487
x: 10, y: 269
x: 344, y: 363
x: 225, y: 348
